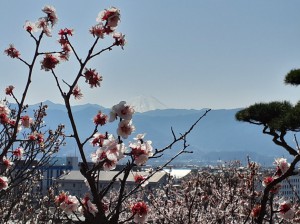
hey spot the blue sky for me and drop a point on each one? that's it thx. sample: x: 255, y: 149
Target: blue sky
x: 188, y: 54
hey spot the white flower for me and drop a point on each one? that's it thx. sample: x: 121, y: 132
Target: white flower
x: 3, y: 183
x: 125, y: 128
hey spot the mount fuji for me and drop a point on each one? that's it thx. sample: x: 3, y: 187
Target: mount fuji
x: 146, y: 103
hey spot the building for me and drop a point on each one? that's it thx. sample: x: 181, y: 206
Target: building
x: 74, y: 181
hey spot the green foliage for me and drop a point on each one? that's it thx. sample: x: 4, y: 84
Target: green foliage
x: 279, y: 116
x: 293, y: 77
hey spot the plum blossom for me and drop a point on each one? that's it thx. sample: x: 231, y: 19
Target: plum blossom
x: 51, y: 14
x: 109, y: 153
x: 66, y: 202
x: 139, y: 179
x: 255, y: 211
x: 141, y: 151
x: 98, y: 139
x: 4, y: 108
x: 26, y: 121
x: 285, y: 210
x: 18, y: 152
x: 122, y: 110
x: 49, y: 62
x: 66, y: 31
x: 42, y: 24
x: 88, y: 206
x: 12, y: 52
x: 7, y: 163
x: 125, y: 128
x: 119, y: 39
x: 98, y: 30
x: 92, y: 77
x: 140, y: 212
x: 30, y: 27
x: 100, y: 119
x: 3, y: 183
x: 77, y: 93
x: 282, y: 166
x: 111, y: 16
x: 9, y: 90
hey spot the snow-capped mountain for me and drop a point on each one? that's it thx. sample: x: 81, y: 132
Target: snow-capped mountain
x: 146, y: 103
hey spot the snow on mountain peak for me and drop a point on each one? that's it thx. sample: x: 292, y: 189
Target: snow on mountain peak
x: 146, y: 103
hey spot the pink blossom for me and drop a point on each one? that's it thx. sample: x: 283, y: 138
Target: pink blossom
x: 111, y: 16
x: 26, y: 121
x: 69, y: 205
x: 286, y: 211
x: 98, y: 30
x: 12, y: 52
x: 3, y: 183
x: 141, y: 151
x: 125, y: 128
x: 4, y: 109
x: 88, y: 206
x: 7, y: 163
x: 51, y: 14
x: 77, y: 93
x: 139, y: 179
x: 282, y: 166
x: 100, y: 119
x: 98, y: 139
x: 140, y: 212
x: 49, y: 62
x: 66, y: 31
x: 92, y: 77
x: 18, y: 152
x: 30, y: 27
x: 9, y: 90
x: 42, y: 23
x: 119, y: 39
x: 122, y: 110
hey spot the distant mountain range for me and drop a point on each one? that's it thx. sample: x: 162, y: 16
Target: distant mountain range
x: 218, y: 136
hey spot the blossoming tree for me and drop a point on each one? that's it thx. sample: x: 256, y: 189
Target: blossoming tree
x: 97, y: 206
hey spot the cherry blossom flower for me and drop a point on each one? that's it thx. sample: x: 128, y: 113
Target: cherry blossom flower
x: 77, y: 93
x: 125, y: 128
x: 285, y: 210
x: 282, y: 166
x: 42, y: 23
x: 141, y: 151
x: 119, y: 39
x: 3, y: 183
x: 140, y: 212
x: 100, y: 119
x: 98, y: 156
x: 4, y: 119
x: 255, y: 211
x: 66, y: 31
x: 7, y: 163
x: 98, y: 30
x: 111, y: 16
x: 12, y: 52
x: 18, y: 152
x: 92, y: 77
x: 30, y: 27
x: 51, y: 14
x: 98, y: 139
x: 9, y: 90
x: 66, y: 202
x: 26, y: 121
x: 4, y: 108
x: 49, y: 62
x: 87, y: 206
x: 121, y: 110
x: 140, y: 179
